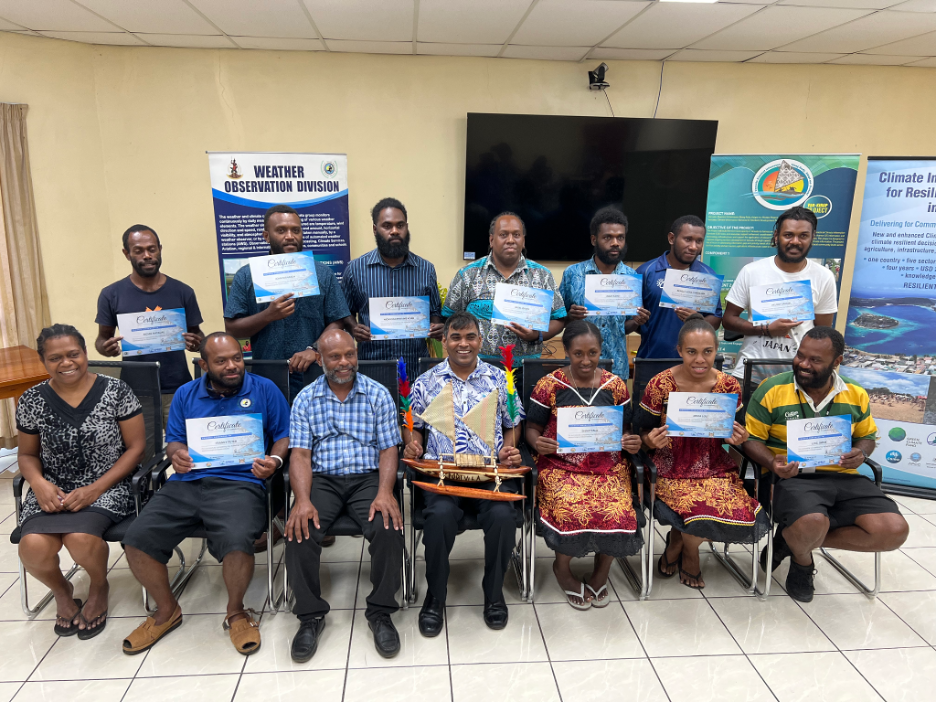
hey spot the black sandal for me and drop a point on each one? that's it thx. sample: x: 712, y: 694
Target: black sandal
x: 696, y: 577
x: 72, y: 629
x: 88, y: 632
x: 663, y: 563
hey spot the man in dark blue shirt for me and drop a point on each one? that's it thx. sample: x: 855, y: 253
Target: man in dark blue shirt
x: 229, y: 500
x: 287, y: 327
x: 659, y: 333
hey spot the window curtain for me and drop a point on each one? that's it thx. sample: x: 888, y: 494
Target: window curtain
x: 24, y: 303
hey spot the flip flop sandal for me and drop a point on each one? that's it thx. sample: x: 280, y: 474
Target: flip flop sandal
x: 72, y: 629
x: 244, y: 633
x: 93, y: 627
x: 694, y: 576
x: 663, y: 563
x: 599, y: 601
x: 145, y: 636
x: 584, y: 604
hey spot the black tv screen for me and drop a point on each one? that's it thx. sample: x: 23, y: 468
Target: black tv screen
x: 556, y: 172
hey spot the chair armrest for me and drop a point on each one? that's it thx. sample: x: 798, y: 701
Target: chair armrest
x: 18, y: 487
x: 157, y: 468
x: 876, y: 469
x: 649, y: 465
x: 638, y: 463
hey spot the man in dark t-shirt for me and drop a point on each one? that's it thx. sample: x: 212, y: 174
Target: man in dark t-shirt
x: 146, y: 289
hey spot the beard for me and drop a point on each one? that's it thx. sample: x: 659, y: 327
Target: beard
x: 143, y: 273
x: 787, y: 259
x: 608, y: 260
x: 815, y: 380
x: 389, y: 249
x: 275, y: 249
x: 226, y: 383
x: 332, y: 377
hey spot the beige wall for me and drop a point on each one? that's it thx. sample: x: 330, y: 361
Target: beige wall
x: 118, y: 135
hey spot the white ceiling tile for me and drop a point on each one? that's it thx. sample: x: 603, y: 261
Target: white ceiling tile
x: 875, y: 60
x: 776, y: 26
x: 794, y: 57
x: 280, y: 44
x: 607, y: 54
x: 574, y: 22
x: 164, y: 17
x: 377, y: 20
x: 468, y: 21
x: 113, y: 38
x: 925, y: 63
x: 257, y: 18
x: 924, y: 45
x: 60, y: 15
x: 673, y: 25
x: 878, y: 29
x: 916, y: 6
x: 187, y: 41
x: 724, y: 56
x: 547, y: 53
x: 853, y: 4
x: 432, y: 49
x: 371, y: 47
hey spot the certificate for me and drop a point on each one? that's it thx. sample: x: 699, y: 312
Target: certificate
x: 589, y: 429
x: 399, y: 317
x: 277, y: 275
x: 152, y: 332
x: 707, y: 415
x: 692, y: 289
x: 215, y: 442
x: 613, y: 295
x: 782, y: 301
x: 820, y: 441
x: 528, y: 307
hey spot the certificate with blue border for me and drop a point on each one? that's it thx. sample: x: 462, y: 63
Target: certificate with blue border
x: 701, y: 415
x: 151, y: 332
x: 398, y: 318
x: 589, y: 429
x: 216, y: 442
x: 817, y: 442
x: 613, y: 295
x: 528, y: 307
x: 279, y: 274
x: 791, y: 300
x: 692, y: 289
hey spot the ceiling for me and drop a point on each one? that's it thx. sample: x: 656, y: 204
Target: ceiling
x: 869, y: 32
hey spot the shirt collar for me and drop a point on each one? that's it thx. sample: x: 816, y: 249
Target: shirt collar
x: 489, y: 263
x: 205, y: 394
x: 838, y: 385
x: 592, y: 267
x: 445, y: 370
x: 373, y: 258
x: 321, y: 388
x: 662, y: 263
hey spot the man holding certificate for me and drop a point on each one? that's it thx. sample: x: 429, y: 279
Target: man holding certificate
x: 228, y: 432
x: 287, y: 326
x: 821, y: 499
x: 504, y: 287
x: 393, y: 292
x: 605, y: 290
x: 784, y: 295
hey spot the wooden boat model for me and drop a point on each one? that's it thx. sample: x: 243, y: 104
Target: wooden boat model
x: 462, y: 491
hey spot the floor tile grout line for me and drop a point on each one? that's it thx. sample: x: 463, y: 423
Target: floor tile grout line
x: 357, y: 588
x: 906, y: 623
x: 552, y: 670
x: 642, y: 647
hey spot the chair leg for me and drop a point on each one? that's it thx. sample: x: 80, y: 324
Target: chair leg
x: 870, y: 592
x: 413, y: 589
x: 33, y: 612
x: 637, y: 582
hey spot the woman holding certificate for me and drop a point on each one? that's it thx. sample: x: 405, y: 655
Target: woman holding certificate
x: 686, y: 413
x: 575, y: 422
x: 80, y: 437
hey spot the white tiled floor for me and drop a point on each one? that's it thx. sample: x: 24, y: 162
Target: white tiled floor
x: 717, y: 644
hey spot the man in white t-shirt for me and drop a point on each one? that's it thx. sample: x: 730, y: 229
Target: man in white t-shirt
x: 793, y: 236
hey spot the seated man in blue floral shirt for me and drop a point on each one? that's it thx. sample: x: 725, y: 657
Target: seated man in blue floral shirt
x: 472, y: 380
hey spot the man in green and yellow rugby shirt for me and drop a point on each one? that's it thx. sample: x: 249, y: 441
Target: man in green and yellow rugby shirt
x: 834, y: 507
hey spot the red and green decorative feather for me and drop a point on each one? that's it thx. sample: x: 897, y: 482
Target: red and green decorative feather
x: 406, y: 411
x: 507, y: 357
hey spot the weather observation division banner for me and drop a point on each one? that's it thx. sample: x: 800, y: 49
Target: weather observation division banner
x: 245, y: 184
x: 890, y: 335
x: 747, y: 193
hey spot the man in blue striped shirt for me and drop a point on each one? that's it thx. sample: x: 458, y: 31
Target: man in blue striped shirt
x: 391, y: 270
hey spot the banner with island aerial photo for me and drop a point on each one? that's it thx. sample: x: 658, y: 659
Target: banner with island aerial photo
x: 890, y: 335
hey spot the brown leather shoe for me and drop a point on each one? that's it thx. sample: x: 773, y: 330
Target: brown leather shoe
x: 328, y: 541
x: 145, y: 636
x: 245, y: 632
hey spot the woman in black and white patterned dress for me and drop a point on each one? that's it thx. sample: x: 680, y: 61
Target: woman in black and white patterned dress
x: 81, y: 436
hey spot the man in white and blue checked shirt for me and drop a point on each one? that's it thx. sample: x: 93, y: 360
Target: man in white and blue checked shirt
x: 344, y: 435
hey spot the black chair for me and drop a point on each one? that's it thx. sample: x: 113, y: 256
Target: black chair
x: 143, y: 379
x: 385, y: 373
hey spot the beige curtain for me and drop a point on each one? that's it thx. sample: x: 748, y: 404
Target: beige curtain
x: 24, y: 303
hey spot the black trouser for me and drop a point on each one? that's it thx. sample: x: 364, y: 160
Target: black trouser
x: 499, y: 522
x: 330, y: 495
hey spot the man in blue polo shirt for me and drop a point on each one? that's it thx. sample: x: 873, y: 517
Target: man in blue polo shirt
x: 229, y: 501
x: 659, y: 333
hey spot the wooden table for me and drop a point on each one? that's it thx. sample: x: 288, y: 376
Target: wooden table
x: 20, y: 369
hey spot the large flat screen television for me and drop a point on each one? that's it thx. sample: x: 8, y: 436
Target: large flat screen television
x: 556, y: 172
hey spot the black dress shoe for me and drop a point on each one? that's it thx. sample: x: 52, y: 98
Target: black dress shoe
x: 431, y: 616
x: 495, y: 615
x: 386, y: 638
x: 305, y: 642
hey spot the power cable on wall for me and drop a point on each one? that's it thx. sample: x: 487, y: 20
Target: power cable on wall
x: 605, y: 91
x: 660, y: 91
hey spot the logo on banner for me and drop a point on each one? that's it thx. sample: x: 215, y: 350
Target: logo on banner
x: 330, y: 168
x: 782, y: 184
x: 234, y: 170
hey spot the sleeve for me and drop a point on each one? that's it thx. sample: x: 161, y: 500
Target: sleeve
x: 276, y: 417
x: 239, y: 295
x: 457, y: 298
x: 541, y: 402
x: 299, y: 434
x: 735, y: 387
x: 348, y: 288
x: 565, y: 288
x: 622, y: 398
x: 863, y: 426
x: 28, y: 411
x: 388, y: 426
x: 435, y: 299
x: 825, y: 302
x: 647, y: 415
x: 739, y: 293
x: 558, y: 306
x: 175, y: 424
x: 127, y: 404
x: 193, y: 315
x: 418, y: 401
x: 759, y: 417
x: 106, y: 316
x: 333, y: 300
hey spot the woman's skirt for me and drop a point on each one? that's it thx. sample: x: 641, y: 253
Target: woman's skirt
x: 83, y: 522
